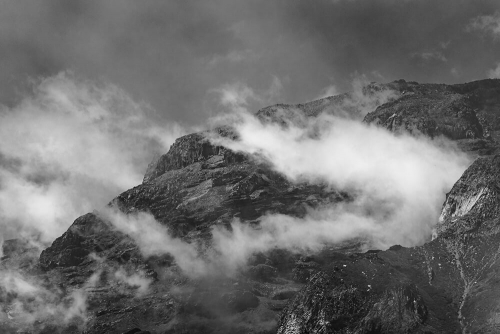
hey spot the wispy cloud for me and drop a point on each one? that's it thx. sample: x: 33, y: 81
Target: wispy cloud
x: 494, y: 73
x: 70, y: 147
x: 455, y: 72
x: 430, y: 56
x: 234, y: 56
x: 155, y: 239
x: 28, y: 303
x: 489, y: 24
x: 397, y: 185
x: 330, y: 90
x: 398, y: 182
x: 240, y: 96
x: 433, y: 54
x: 359, y: 100
x: 136, y: 280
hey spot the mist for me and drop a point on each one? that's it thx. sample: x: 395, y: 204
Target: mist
x: 73, y: 145
x: 30, y: 301
x: 398, y: 182
x: 152, y: 238
x: 69, y: 147
x: 70, y: 143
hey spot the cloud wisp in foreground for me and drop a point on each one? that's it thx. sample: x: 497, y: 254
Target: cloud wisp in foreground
x: 29, y: 302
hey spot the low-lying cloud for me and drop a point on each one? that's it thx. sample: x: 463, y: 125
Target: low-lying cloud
x: 66, y: 149
x: 155, y: 239
x: 70, y: 147
x: 489, y: 24
x: 83, y: 143
x: 27, y: 302
x: 364, y: 98
x: 398, y: 182
x: 137, y: 280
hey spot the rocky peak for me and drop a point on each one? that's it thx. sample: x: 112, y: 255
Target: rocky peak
x: 189, y: 149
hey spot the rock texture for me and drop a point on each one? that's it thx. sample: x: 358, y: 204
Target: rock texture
x: 467, y: 113
x: 449, y: 285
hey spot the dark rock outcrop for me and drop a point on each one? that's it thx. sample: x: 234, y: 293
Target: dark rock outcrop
x: 467, y: 113
x: 190, y: 149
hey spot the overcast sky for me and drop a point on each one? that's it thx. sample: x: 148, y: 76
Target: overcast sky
x: 175, y: 55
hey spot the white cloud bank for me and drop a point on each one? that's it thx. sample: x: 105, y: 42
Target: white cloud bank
x: 66, y: 149
x: 398, y: 184
x: 489, y: 24
x: 70, y: 147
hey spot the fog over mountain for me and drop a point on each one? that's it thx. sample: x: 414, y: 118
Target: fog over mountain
x: 249, y: 167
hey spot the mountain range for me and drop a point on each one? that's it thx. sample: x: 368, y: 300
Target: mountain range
x: 173, y: 254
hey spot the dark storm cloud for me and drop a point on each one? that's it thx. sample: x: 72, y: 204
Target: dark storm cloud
x: 173, y: 54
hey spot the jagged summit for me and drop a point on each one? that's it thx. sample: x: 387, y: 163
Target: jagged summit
x: 447, y: 285
x: 190, y: 149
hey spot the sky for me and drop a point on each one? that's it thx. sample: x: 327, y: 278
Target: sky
x: 176, y: 55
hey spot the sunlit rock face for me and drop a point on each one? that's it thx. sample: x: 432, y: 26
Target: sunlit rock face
x: 447, y: 285
x: 476, y: 193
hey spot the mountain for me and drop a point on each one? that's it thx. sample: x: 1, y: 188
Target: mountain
x: 100, y: 272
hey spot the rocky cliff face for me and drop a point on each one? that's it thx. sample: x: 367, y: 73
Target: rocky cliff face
x: 467, y: 113
x: 448, y: 285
